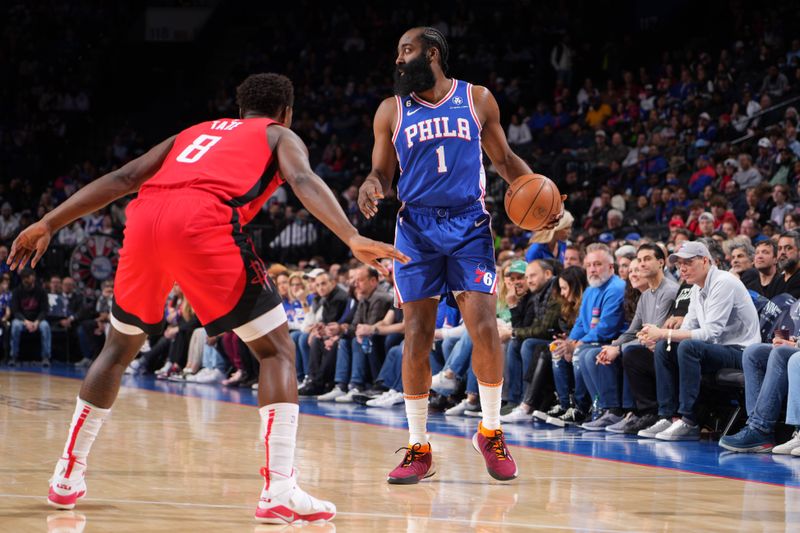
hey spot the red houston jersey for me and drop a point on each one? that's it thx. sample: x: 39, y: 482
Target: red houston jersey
x: 229, y: 158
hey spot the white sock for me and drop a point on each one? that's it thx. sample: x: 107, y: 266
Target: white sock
x: 86, y: 423
x: 279, y: 433
x: 417, y: 415
x: 490, y: 403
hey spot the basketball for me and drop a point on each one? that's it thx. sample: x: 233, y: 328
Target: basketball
x: 532, y: 200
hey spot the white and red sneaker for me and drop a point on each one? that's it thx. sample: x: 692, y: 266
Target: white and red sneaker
x: 67, y: 485
x: 283, y: 502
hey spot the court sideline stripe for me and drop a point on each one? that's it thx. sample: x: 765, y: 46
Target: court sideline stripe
x: 462, y: 437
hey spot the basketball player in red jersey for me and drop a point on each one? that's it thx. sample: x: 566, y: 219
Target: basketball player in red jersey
x: 196, y: 191
x: 435, y: 129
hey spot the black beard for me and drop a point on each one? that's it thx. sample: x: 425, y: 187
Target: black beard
x: 417, y: 77
x: 788, y: 265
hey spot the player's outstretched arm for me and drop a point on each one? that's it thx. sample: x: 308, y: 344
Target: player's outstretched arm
x: 319, y: 200
x: 384, y: 160
x: 33, y: 241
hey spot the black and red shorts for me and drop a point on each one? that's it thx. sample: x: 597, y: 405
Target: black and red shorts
x: 193, y: 238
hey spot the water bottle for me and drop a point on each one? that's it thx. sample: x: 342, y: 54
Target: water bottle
x: 596, y: 407
x: 366, y: 345
x: 555, y: 357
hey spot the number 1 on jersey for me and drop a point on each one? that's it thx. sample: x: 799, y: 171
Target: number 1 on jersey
x: 442, y: 165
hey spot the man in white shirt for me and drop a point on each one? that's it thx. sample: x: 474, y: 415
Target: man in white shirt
x: 721, y: 322
x: 519, y: 134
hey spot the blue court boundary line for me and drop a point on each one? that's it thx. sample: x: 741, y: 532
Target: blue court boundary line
x: 747, y: 468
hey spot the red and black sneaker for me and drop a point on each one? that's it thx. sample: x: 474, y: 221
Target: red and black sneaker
x: 417, y: 465
x: 492, y: 445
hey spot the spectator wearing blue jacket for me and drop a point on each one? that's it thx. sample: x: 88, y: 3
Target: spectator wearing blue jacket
x: 600, y: 320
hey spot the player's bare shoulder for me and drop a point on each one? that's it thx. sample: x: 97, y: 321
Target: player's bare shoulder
x: 279, y: 134
x: 484, y: 102
x: 480, y: 92
x: 386, y: 115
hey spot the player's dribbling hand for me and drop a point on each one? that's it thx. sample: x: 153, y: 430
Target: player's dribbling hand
x: 368, y: 195
x: 31, y: 243
x: 556, y: 218
x: 371, y: 252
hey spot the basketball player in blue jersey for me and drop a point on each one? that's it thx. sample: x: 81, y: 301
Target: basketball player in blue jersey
x: 435, y: 129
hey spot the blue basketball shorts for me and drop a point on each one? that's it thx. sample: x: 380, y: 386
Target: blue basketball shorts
x: 451, y: 250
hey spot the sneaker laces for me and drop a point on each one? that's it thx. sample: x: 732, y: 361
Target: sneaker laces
x: 497, y: 445
x: 412, y: 453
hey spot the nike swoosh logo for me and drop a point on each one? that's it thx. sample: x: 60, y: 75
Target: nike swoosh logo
x: 409, y: 113
x: 479, y: 223
x: 285, y: 518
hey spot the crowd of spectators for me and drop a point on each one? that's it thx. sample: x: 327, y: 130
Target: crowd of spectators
x: 694, y: 153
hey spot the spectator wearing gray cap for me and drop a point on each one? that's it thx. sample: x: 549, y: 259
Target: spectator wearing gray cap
x: 312, y: 275
x: 765, y: 160
x: 706, y: 130
x: 601, y: 154
x: 721, y: 321
x: 615, y: 224
x: 732, y: 165
x: 705, y: 224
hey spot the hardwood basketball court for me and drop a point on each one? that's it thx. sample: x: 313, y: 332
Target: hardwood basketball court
x: 187, y: 458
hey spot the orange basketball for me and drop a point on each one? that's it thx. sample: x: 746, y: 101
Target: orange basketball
x: 532, y: 200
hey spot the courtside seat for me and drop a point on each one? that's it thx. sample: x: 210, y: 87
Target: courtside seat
x: 723, y: 400
x: 730, y: 378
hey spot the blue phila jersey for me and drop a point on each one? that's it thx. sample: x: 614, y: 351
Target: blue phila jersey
x: 439, y: 150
